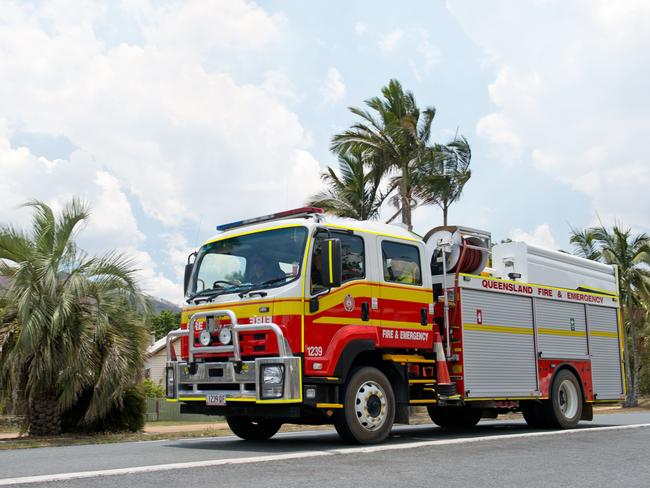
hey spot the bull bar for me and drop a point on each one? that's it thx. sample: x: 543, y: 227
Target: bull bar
x: 234, y: 379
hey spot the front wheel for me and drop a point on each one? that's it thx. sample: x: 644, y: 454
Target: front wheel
x: 455, y: 417
x: 564, y: 407
x: 253, y: 429
x: 368, y: 409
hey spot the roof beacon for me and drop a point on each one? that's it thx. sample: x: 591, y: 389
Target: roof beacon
x: 295, y: 213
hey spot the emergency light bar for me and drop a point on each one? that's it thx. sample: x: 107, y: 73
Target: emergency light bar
x: 296, y: 212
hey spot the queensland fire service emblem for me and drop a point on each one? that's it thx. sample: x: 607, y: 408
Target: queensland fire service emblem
x: 348, y: 303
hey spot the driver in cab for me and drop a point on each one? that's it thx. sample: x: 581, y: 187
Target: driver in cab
x: 261, y: 271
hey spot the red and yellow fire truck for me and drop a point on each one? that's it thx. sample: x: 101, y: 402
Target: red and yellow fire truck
x: 299, y: 318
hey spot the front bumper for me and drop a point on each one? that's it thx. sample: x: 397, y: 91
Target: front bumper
x: 233, y: 380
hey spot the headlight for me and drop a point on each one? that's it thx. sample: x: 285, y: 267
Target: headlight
x: 225, y: 336
x: 272, y: 381
x: 205, y: 337
x: 273, y: 375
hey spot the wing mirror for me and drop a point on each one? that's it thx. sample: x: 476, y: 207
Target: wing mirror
x: 191, y: 259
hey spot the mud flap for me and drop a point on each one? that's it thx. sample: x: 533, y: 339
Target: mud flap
x: 587, y: 411
x: 402, y: 414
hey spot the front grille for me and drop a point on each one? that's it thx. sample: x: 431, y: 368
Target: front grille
x: 215, y: 372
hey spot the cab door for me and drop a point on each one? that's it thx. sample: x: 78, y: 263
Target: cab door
x: 405, y: 304
x: 327, y: 312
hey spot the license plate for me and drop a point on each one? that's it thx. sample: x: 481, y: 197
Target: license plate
x: 216, y: 400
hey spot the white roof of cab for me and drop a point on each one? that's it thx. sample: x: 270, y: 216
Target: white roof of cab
x: 369, y: 226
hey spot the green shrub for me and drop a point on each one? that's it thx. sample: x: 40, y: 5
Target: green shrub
x: 153, y: 390
x: 130, y: 415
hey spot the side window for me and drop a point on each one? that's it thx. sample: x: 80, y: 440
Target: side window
x: 401, y: 263
x: 353, y: 258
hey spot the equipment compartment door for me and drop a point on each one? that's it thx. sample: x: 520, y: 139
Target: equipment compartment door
x: 498, y: 345
x: 604, y: 341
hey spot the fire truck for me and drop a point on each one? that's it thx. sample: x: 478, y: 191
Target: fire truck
x: 299, y: 318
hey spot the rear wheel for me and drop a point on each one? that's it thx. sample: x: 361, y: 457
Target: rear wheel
x: 368, y: 409
x: 563, y: 409
x: 253, y: 429
x: 455, y: 417
x: 533, y: 414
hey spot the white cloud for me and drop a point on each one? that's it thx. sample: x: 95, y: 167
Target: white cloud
x: 570, y: 94
x: 429, y: 55
x: 200, y: 25
x: 360, y: 28
x: 152, y: 122
x: 151, y: 280
x: 277, y: 84
x: 389, y: 42
x: 541, y: 236
x: 333, y: 88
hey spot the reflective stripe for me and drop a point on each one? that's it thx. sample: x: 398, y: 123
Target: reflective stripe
x: 570, y: 333
x: 498, y: 328
x: 406, y: 358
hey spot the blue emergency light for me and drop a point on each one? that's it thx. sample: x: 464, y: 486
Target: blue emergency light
x: 296, y: 212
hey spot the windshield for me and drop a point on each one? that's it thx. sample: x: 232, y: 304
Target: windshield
x: 262, y: 260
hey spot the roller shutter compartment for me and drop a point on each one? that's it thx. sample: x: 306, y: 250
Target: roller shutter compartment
x: 499, y: 352
x: 605, y: 352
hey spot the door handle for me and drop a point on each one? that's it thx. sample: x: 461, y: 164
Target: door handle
x: 365, y: 311
x: 423, y: 316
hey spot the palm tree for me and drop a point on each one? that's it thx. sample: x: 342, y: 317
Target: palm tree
x: 69, y: 323
x: 355, y: 194
x: 585, y: 244
x: 392, y: 135
x: 631, y: 255
x: 441, y: 173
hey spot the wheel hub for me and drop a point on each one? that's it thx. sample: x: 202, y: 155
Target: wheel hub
x: 568, y: 399
x: 370, y: 405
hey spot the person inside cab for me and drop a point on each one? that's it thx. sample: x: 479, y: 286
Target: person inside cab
x: 402, y: 271
x: 261, y: 271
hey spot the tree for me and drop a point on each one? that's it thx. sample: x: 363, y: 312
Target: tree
x: 71, y: 325
x: 164, y: 322
x: 391, y: 136
x: 631, y: 255
x: 585, y: 244
x: 355, y: 193
x: 441, y: 173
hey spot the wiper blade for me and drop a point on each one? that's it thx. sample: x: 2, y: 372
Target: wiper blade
x: 207, y: 293
x: 257, y: 286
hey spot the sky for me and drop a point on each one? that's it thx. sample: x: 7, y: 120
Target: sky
x: 171, y: 117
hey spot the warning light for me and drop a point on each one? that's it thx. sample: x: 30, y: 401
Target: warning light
x: 296, y: 212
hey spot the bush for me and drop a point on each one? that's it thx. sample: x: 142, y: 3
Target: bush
x: 153, y: 390
x: 130, y: 415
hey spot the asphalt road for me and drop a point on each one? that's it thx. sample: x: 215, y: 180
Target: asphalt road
x: 612, y: 450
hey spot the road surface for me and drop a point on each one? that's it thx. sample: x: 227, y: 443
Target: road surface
x: 611, y: 450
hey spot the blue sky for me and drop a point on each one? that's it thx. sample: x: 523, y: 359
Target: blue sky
x: 172, y: 117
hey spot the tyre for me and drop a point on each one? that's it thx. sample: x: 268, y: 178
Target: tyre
x: 253, y: 429
x: 368, y: 409
x: 563, y: 409
x: 455, y: 417
x: 533, y: 414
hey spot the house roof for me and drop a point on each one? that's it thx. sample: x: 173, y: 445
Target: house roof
x: 158, y: 345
